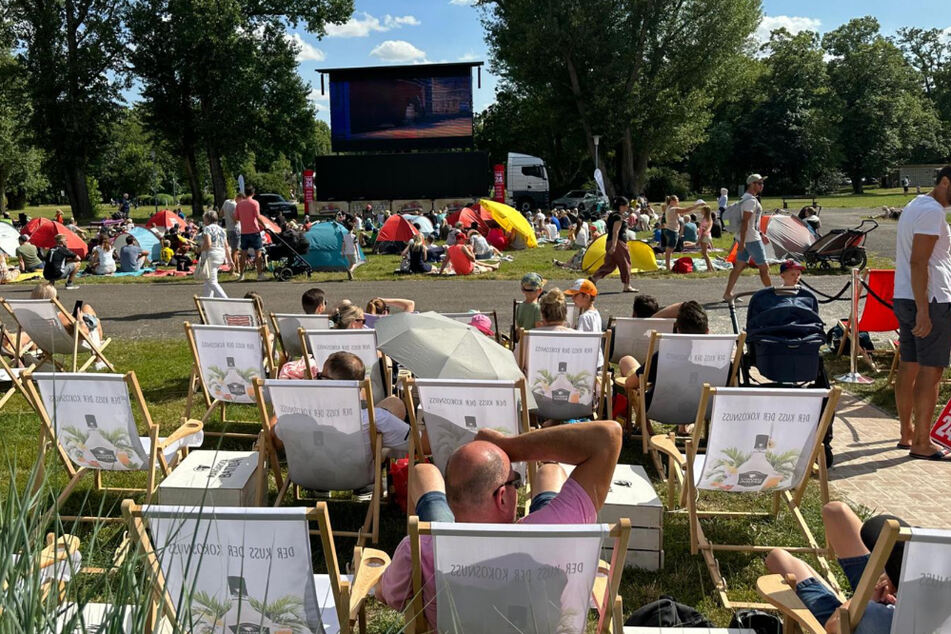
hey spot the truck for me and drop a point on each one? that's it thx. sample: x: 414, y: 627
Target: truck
x: 526, y: 182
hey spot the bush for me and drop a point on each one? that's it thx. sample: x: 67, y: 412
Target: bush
x: 268, y: 183
x: 663, y: 182
x: 95, y: 196
x: 186, y: 200
x: 163, y: 200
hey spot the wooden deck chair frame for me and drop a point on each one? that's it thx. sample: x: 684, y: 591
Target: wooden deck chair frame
x: 368, y: 566
x: 256, y: 301
x: 491, y: 314
x: 16, y: 381
x: 157, y: 458
x: 197, y: 380
x: 637, y: 401
x: 780, y: 592
x: 386, y: 368
x: 604, y: 594
x: 81, y: 341
x: 602, y: 390
x: 276, y: 325
x: 371, y: 524
x: 792, y: 499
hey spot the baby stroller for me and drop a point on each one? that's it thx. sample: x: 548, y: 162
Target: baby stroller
x: 844, y: 246
x: 285, y: 254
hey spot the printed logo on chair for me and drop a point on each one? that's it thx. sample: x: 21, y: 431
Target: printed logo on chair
x: 238, y: 320
x: 230, y: 361
x: 759, y: 444
x: 94, y: 425
x: 562, y: 372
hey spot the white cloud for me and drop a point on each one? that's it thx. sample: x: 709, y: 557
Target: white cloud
x: 318, y: 98
x: 793, y: 24
x: 306, y: 50
x: 469, y: 56
x: 462, y: 3
x: 362, y: 27
x: 397, y: 51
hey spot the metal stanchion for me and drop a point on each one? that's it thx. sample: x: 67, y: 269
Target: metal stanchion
x: 854, y: 376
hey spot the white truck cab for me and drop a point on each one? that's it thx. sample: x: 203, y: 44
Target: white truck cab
x: 526, y: 182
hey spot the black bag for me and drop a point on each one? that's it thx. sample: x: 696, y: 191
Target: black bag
x: 834, y: 338
x: 758, y: 621
x: 666, y: 612
x: 55, y: 266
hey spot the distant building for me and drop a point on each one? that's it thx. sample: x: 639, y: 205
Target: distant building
x: 919, y: 175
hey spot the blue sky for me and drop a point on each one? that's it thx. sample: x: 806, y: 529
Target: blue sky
x: 418, y: 31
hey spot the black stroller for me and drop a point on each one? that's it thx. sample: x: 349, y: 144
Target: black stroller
x: 286, y: 254
x: 846, y: 247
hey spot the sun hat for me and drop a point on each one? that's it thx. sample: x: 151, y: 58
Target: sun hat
x: 533, y: 281
x: 583, y: 286
x: 483, y: 323
x: 791, y: 264
x: 752, y: 178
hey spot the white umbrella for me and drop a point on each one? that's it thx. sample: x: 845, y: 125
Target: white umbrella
x: 8, y: 239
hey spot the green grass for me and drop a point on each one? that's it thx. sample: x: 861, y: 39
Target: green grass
x: 162, y: 369
x: 873, y: 198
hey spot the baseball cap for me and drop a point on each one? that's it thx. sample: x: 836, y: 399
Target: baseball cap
x: 752, y: 178
x: 791, y: 264
x: 583, y: 286
x: 533, y: 281
x: 483, y: 323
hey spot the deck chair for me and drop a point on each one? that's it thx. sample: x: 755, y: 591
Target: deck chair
x: 89, y: 419
x: 223, y: 311
x: 320, y: 344
x: 760, y: 441
x: 464, y: 318
x: 327, y: 444
x: 453, y: 410
x: 14, y: 376
x: 685, y: 363
x: 233, y: 569
x: 287, y: 325
x: 40, y: 319
x: 226, y: 361
x: 518, y: 577
x: 922, y: 606
x: 632, y: 335
x: 562, y: 368
x: 875, y: 316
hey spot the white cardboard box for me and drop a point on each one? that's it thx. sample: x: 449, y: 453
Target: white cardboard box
x: 633, y: 496
x: 212, y: 478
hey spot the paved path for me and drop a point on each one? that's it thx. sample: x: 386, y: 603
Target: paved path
x: 870, y: 471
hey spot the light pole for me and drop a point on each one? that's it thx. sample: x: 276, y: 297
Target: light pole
x: 597, y: 140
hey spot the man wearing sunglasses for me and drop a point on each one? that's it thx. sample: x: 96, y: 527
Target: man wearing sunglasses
x: 749, y: 239
x: 481, y: 486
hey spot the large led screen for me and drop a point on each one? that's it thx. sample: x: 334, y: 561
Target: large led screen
x: 404, y: 108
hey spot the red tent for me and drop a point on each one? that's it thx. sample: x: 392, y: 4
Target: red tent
x: 396, y: 229
x: 467, y: 216
x: 43, y: 231
x: 165, y: 219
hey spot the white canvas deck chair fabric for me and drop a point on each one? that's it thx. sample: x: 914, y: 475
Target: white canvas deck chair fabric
x: 760, y: 441
x: 40, y: 319
x: 922, y: 605
x: 89, y: 419
x: 12, y: 375
x: 233, y: 569
x: 466, y: 317
x: 227, y: 359
x: 328, y: 445
x: 518, y: 578
x: 562, y: 371
x: 223, y: 311
x: 287, y: 325
x: 684, y: 364
x: 320, y: 344
x: 632, y: 336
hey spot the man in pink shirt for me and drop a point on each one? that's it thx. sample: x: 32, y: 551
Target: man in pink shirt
x: 246, y: 212
x: 481, y: 486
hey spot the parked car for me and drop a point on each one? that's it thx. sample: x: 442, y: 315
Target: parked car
x: 584, y: 200
x: 272, y: 204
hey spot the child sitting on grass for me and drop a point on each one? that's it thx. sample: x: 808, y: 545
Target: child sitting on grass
x: 166, y: 255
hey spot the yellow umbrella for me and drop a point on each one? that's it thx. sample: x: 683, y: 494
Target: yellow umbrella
x: 509, y: 218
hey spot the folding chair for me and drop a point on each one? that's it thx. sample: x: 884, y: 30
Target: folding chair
x: 42, y: 320
x: 760, y: 441
x: 327, y: 444
x: 563, y: 370
x: 464, y: 318
x: 90, y: 420
x: 632, y: 335
x: 516, y: 578
x: 14, y: 376
x: 226, y: 361
x: 320, y: 344
x: 875, y: 317
x: 922, y: 605
x: 684, y: 364
x: 287, y: 325
x: 232, y: 569
x: 222, y: 311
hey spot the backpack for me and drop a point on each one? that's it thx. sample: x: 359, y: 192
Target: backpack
x: 732, y: 216
x: 758, y: 621
x: 666, y: 612
x: 55, y: 267
x: 834, y: 339
x: 683, y: 265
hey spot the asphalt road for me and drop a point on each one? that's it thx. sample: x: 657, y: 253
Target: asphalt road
x: 157, y: 311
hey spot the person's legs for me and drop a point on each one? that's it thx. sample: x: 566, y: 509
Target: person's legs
x: 426, y: 479
x: 212, y: 287
x: 548, y: 478
x: 667, y: 253
x: 738, y: 267
x: 764, y: 275
x: 71, y: 269
x: 843, y: 530
x: 606, y: 268
x: 925, y: 399
x: 623, y: 259
x: 905, y: 399
x: 394, y: 405
x: 627, y: 365
x: 706, y: 256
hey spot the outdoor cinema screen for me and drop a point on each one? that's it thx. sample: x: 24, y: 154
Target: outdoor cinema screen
x: 405, y: 107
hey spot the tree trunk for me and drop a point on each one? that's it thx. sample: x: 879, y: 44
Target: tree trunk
x: 640, y: 170
x: 218, y: 184
x: 78, y: 193
x: 583, y: 116
x: 628, y: 181
x: 3, y: 189
x: 194, y: 181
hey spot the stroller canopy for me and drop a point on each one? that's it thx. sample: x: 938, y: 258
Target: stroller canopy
x: 326, y: 240
x: 397, y: 229
x: 788, y: 235
x: 148, y: 242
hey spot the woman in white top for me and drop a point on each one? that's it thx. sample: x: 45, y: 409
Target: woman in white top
x: 104, y: 258
x: 214, y: 249
x: 582, y: 236
x: 723, y: 201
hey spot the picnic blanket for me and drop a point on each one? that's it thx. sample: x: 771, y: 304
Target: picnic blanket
x: 167, y: 273
x: 26, y: 277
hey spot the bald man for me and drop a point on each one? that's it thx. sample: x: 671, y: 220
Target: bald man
x: 481, y: 486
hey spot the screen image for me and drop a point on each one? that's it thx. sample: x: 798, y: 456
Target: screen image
x: 413, y: 109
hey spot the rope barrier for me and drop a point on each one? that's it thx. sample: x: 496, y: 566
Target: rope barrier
x: 829, y: 298
x: 876, y: 297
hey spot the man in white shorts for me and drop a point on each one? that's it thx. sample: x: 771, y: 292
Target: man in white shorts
x: 749, y: 239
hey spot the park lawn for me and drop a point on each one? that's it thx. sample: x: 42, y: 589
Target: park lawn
x: 163, y: 367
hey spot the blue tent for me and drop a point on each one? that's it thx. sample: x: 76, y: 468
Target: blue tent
x: 326, y: 240
x: 425, y: 227
x: 148, y: 242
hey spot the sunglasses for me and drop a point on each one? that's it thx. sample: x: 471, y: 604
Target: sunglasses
x: 515, y: 482
x: 529, y: 290
x: 360, y: 321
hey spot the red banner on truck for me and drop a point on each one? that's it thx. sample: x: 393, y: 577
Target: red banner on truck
x: 308, y: 190
x: 498, y: 194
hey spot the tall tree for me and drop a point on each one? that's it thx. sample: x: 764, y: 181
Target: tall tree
x: 72, y: 53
